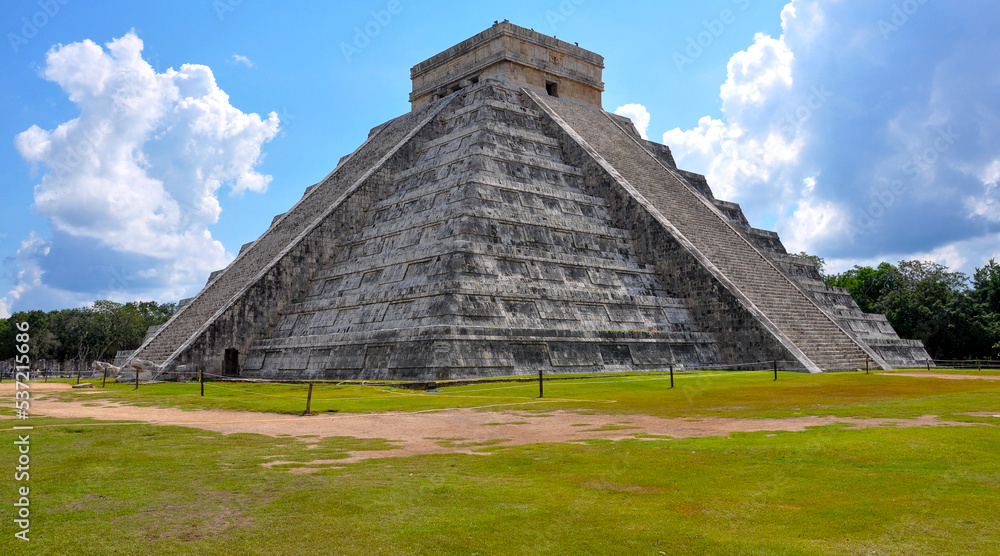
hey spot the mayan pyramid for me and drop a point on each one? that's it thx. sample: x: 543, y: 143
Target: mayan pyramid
x: 508, y: 224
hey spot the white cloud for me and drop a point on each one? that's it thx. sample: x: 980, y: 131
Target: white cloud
x: 987, y: 205
x: 139, y: 170
x: 811, y: 219
x: 757, y: 71
x: 240, y: 59
x: 743, y: 151
x: 985, y: 208
x: 639, y: 116
x: 858, y: 147
x: 991, y: 173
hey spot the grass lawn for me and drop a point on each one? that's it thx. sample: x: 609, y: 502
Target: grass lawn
x: 142, y: 489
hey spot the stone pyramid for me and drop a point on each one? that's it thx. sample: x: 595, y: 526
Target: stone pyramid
x: 506, y: 225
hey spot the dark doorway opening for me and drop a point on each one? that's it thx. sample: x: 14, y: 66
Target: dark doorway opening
x: 231, y: 362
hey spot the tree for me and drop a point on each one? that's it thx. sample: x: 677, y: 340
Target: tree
x: 986, y: 284
x: 120, y: 327
x: 930, y: 303
x: 868, y: 285
x: 87, y: 333
x: 6, y: 346
x: 42, y: 343
x: 80, y: 333
x: 154, y: 314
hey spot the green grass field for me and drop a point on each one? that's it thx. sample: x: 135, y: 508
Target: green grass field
x: 141, y: 489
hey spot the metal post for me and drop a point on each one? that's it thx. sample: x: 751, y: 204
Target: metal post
x: 201, y: 381
x: 775, y: 369
x: 671, y: 376
x: 309, y: 398
x: 136, y: 378
x: 540, y: 390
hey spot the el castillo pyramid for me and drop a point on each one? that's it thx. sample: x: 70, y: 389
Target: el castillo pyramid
x: 508, y: 224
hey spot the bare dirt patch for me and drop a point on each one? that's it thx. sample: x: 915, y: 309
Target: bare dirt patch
x: 7, y: 387
x: 420, y: 433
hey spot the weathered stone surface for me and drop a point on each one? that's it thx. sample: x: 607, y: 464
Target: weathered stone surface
x: 503, y: 229
x: 513, y: 54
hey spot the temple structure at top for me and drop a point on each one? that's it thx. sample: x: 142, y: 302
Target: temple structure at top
x: 513, y: 54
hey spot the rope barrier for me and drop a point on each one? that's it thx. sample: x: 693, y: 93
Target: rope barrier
x: 440, y: 394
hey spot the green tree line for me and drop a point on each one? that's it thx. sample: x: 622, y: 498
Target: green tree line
x: 84, y: 333
x: 954, y: 316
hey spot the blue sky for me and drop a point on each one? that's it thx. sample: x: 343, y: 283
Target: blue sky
x: 143, y: 143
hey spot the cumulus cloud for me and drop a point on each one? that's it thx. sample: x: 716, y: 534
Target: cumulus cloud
x: 858, y: 141
x: 639, y: 116
x: 135, y: 177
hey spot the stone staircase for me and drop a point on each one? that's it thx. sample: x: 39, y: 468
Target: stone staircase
x: 773, y: 294
x: 873, y: 330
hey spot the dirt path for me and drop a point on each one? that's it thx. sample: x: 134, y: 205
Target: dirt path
x: 945, y: 376
x: 445, y: 431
